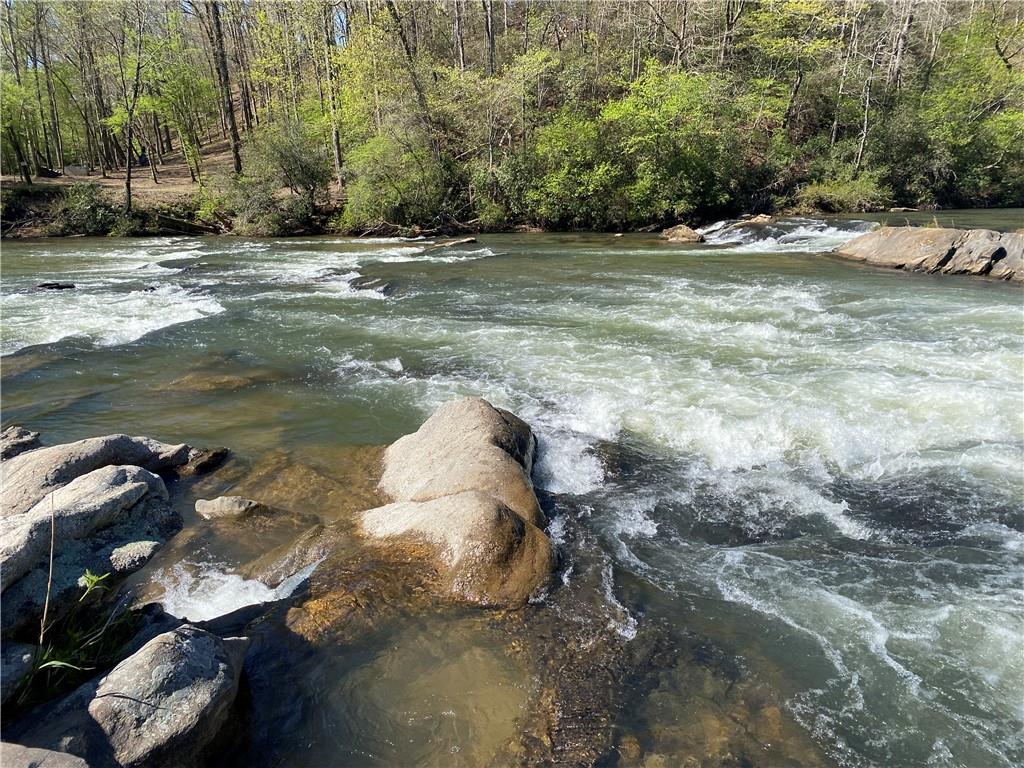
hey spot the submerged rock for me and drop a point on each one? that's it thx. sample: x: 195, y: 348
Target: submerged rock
x: 462, y: 487
x: 682, y: 234
x: 229, y: 507
x: 162, y: 706
x: 55, y: 286
x: 370, y: 283
x: 16, y: 440
x: 940, y: 250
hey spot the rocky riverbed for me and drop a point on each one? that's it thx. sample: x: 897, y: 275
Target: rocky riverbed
x: 462, y: 532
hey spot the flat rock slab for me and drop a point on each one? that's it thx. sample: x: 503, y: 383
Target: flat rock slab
x: 941, y: 250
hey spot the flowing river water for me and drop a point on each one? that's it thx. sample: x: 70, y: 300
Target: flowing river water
x: 808, y: 471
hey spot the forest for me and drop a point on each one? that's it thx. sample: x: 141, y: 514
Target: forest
x: 483, y: 114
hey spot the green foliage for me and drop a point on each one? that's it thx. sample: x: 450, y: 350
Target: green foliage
x: 388, y: 183
x: 88, y: 638
x: 590, y: 119
x: 83, y: 210
x: 291, y: 155
x: 863, y: 193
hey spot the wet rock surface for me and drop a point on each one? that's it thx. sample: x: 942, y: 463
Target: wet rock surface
x: 940, y: 250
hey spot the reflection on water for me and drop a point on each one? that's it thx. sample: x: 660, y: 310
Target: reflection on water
x: 787, y: 490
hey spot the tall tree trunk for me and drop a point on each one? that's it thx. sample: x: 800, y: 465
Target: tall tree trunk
x: 489, y: 29
x: 329, y: 38
x: 225, y: 85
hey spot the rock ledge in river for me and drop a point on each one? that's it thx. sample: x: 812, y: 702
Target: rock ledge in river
x: 937, y: 250
x: 462, y: 487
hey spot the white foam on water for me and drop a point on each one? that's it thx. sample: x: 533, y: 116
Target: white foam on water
x: 786, y: 235
x: 203, y: 591
x: 105, y: 317
x: 620, y: 620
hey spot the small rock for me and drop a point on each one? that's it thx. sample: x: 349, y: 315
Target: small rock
x: 55, y: 286
x: 16, y: 440
x: 130, y: 557
x: 203, y: 460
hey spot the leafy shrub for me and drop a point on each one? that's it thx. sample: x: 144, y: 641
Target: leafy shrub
x: 294, y: 157
x: 863, y: 193
x: 83, y: 210
x: 390, y: 184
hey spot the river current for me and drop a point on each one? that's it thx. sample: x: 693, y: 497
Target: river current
x: 817, y: 465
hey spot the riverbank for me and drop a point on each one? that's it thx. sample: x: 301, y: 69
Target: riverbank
x: 90, y: 206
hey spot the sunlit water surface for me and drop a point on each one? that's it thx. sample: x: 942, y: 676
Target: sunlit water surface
x: 816, y: 464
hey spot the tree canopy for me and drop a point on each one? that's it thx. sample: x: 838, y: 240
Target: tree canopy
x: 559, y: 113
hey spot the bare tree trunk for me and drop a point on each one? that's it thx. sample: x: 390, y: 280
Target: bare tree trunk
x: 225, y: 85
x: 489, y: 29
x: 329, y: 32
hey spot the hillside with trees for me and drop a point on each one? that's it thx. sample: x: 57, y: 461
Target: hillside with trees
x: 481, y: 114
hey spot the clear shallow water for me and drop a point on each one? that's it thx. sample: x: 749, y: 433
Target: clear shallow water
x: 816, y: 464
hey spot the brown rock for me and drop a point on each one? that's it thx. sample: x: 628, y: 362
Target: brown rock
x: 465, y: 445
x: 682, y: 234
x: 464, y: 495
x: 485, y: 553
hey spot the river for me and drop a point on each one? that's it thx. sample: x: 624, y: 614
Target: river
x: 813, y: 466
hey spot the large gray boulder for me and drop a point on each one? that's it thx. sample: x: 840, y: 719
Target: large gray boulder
x: 108, y: 521
x: 28, y: 477
x: 160, y: 707
x: 86, y: 504
x: 940, y: 250
x: 463, y: 496
x: 17, y: 756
